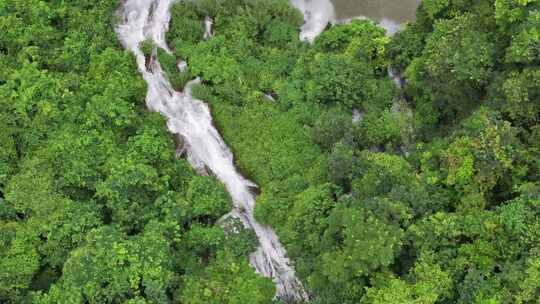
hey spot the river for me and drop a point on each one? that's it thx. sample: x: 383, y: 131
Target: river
x: 397, y: 11
x: 389, y: 14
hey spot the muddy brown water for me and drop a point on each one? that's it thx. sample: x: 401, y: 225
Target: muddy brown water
x: 396, y: 11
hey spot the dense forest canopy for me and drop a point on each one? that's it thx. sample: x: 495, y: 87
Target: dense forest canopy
x: 431, y: 195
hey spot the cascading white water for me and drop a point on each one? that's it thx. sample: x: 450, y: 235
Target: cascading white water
x: 317, y: 15
x: 191, y: 120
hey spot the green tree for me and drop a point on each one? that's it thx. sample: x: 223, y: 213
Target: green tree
x: 112, y: 267
x: 227, y: 280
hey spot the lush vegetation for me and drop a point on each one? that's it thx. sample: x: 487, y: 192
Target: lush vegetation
x: 431, y: 196
x: 94, y: 206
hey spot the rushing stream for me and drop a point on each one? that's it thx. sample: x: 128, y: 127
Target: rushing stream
x: 191, y: 120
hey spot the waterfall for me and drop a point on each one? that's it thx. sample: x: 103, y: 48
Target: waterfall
x: 206, y: 151
x: 317, y: 15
